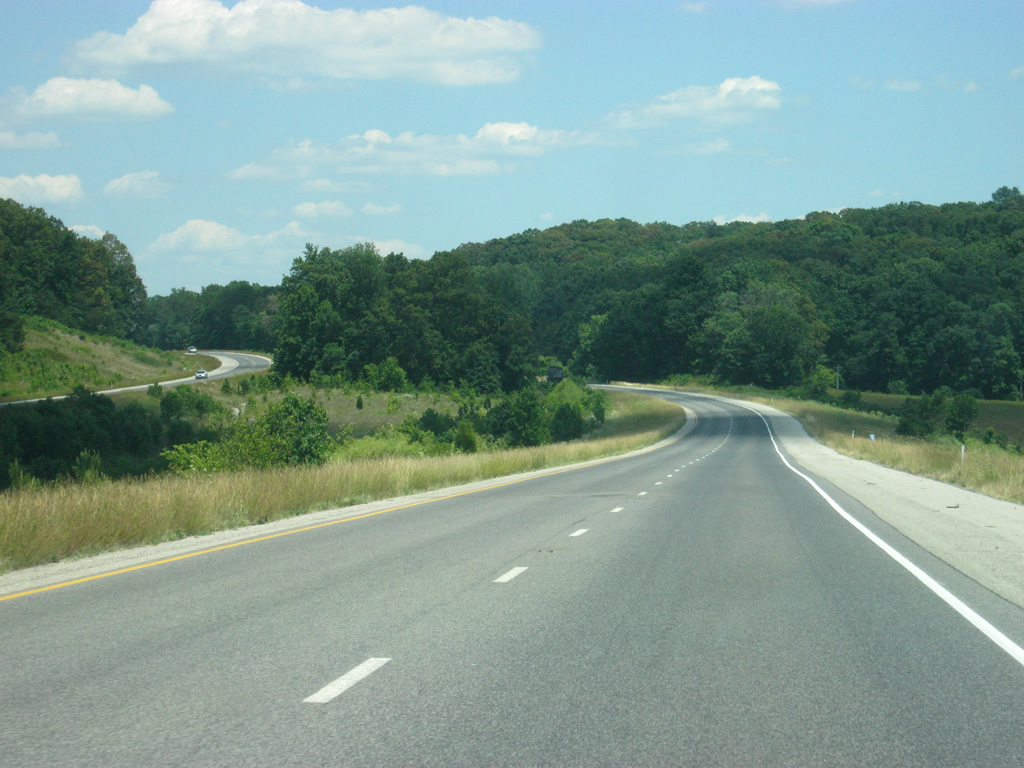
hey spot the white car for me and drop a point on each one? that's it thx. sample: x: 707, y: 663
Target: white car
x: 191, y: 350
x: 202, y: 374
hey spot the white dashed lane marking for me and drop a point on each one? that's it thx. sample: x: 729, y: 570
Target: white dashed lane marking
x: 506, y: 577
x: 346, y: 681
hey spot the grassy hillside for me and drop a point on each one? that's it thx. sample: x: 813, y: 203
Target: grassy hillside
x: 55, y: 359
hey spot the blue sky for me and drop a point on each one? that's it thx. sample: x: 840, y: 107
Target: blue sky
x: 215, y: 139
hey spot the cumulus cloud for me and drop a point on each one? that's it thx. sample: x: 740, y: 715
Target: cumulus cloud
x: 372, y: 209
x: 324, y: 208
x: 735, y: 100
x: 10, y: 140
x: 394, y: 245
x: 61, y: 96
x: 88, y: 230
x: 34, y: 190
x: 200, y: 235
x: 708, y: 147
x: 1017, y: 73
x: 905, y: 86
x: 746, y: 217
x: 141, y: 184
x: 694, y: 7
x: 289, y: 39
x: 492, y: 149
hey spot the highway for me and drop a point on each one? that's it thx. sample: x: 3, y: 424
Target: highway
x: 698, y: 604
x: 231, y: 364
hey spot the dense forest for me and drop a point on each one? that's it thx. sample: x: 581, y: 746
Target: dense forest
x: 50, y: 271
x: 907, y: 297
x: 904, y: 298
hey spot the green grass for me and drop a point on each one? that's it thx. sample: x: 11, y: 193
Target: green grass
x: 55, y: 359
x: 51, y: 523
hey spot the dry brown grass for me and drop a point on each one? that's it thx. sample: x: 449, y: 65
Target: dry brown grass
x: 984, y: 468
x: 51, y: 523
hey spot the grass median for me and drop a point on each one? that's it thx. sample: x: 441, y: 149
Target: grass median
x: 55, y: 522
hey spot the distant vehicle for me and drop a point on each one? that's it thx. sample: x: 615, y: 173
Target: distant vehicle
x: 202, y: 374
x: 191, y: 350
x: 555, y: 374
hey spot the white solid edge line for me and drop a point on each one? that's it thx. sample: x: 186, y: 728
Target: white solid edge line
x: 954, y: 602
x: 510, y: 575
x: 346, y: 681
x: 580, y: 532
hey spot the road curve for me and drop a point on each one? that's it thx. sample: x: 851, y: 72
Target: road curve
x: 698, y: 604
x: 231, y: 364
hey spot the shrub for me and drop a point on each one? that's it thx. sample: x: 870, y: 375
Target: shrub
x: 292, y: 431
x: 466, y: 439
x: 850, y: 399
x: 917, y: 416
x: 963, y: 410
x: 521, y: 419
x: 567, y: 423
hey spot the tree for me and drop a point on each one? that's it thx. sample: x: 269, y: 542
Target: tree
x: 963, y: 410
x: 521, y: 419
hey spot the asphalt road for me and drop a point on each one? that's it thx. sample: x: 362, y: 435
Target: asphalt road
x: 700, y: 604
x: 231, y: 364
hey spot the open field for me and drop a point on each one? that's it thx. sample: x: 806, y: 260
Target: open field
x: 55, y: 359
x: 51, y: 523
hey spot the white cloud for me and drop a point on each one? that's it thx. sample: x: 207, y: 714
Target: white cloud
x: 735, y: 100
x: 394, y: 245
x: 93, y: 98
x: 490, y: 150
x: 694, y: 7
x: 951, y: 84
x: 34, y: 190
x: 10, y: 140
x: 761, y: 217
x: 708, y: 147
x: 200, y: 235
x: 905, y: 86
x: 1017, y: 73
x: 288, y: 40
x: 146, y: 185
x: 325, y: 208
x: 372, y: 209
x: 88, y: 230
x: 290, y: 231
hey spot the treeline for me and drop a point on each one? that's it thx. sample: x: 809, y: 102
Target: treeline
x: 348, y: 313
x: 238, y: 315
x: 904, y: 298
x: 50, y: 271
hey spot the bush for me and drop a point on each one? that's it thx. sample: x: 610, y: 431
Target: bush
x: 521, y: 419
x: 567, y: 423
x: 917, y: 416
x: 850, y: 399
x: 386, y: 377
x: 292, y: 431
x: 466, y: 439
x: 963, y: 410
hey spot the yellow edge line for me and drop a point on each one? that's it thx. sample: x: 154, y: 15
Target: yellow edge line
x: 292, y: 531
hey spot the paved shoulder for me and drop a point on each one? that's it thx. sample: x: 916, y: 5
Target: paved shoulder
x: 980, y: 536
